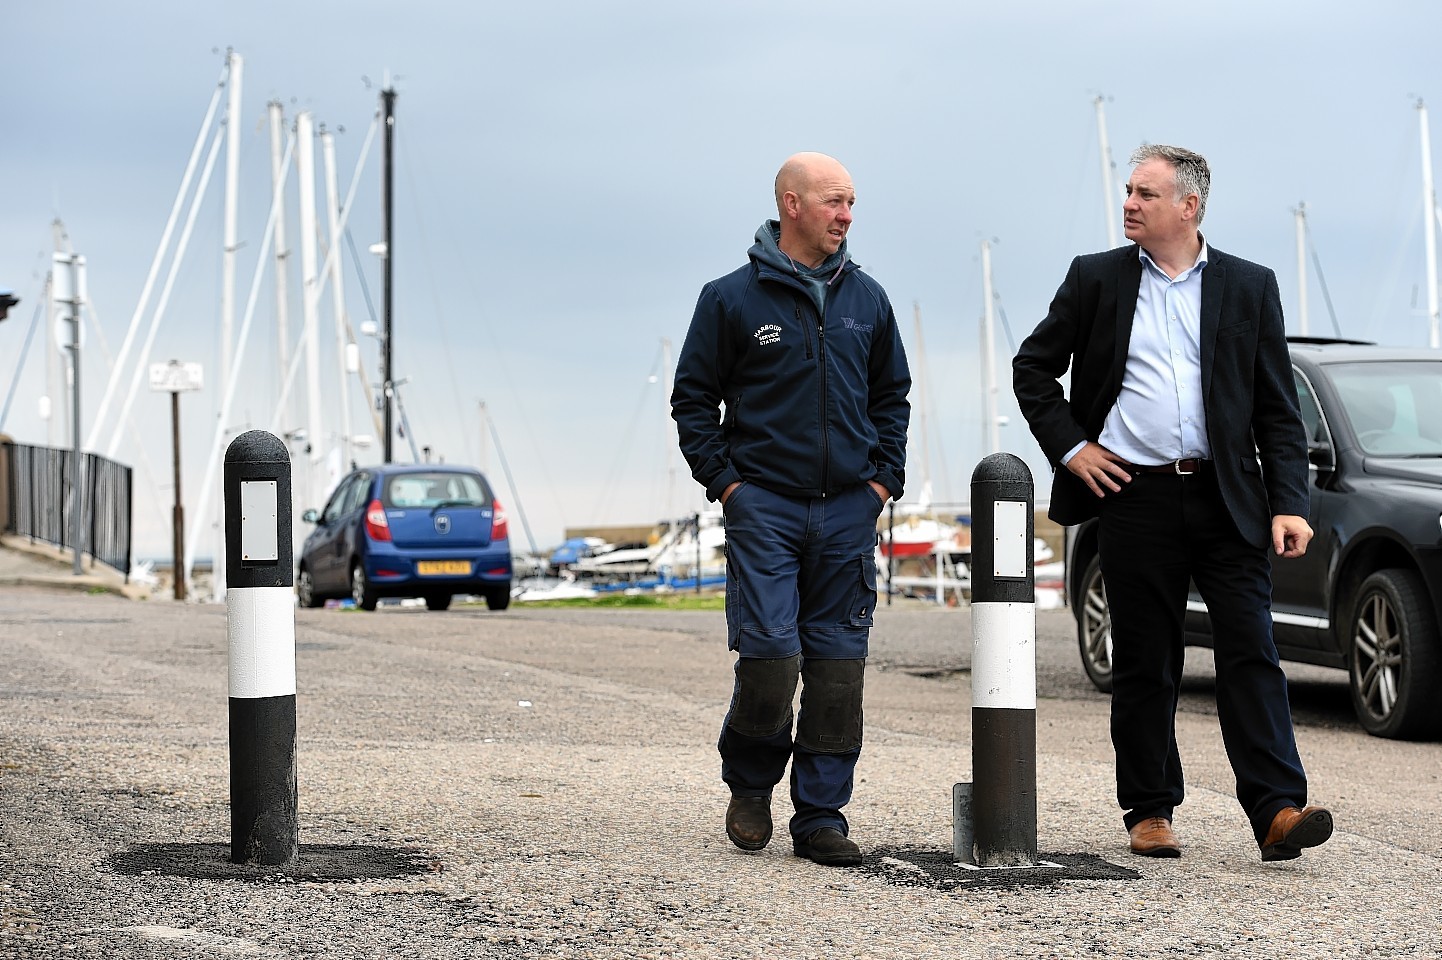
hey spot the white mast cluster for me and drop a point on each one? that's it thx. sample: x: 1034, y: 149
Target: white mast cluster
x: 309, y: 479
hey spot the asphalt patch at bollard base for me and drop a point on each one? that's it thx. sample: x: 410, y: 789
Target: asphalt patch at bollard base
x: 938, y: 870
x: 327, y: 863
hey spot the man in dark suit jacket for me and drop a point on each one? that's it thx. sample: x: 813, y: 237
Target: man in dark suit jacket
x: 1182, y: 435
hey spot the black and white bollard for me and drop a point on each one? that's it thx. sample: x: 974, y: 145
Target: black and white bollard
x: 1003, y: 663
x: 260, y: 613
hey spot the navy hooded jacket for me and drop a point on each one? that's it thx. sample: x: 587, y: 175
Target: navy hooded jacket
x: 813, y: 404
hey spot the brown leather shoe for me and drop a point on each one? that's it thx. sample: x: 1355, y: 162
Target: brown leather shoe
x: 829, y: 847
x: 1153, y: 837
x: 748, y: 822
x: 1294, y: 829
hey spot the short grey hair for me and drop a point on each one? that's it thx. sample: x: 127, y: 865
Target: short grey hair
x: 1191, y: 171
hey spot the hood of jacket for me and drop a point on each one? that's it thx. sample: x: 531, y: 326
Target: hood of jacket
x: 767, y: 252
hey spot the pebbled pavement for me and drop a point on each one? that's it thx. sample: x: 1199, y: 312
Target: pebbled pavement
x: 543, y: 783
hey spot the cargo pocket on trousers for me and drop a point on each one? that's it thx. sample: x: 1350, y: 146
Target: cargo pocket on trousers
x: 863, y: 600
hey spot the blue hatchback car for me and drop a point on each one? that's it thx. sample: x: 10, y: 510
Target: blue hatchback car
x: 421, y: 530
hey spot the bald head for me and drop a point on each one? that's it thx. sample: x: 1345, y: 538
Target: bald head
x: 800, y: 171
x: 814, y: 197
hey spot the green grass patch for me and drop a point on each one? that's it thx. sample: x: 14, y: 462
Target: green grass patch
x: 662, y: 601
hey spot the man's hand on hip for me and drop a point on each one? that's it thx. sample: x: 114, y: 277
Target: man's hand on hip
x: 1100, y: 469
x: 881, y: 492
x: 1290, y: 535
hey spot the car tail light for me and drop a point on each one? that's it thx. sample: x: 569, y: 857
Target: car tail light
x: 377, y: 526
x: 500, y: 529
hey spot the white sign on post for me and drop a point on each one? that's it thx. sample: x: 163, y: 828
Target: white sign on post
x: 1010, y: 556
x: 175, y: 377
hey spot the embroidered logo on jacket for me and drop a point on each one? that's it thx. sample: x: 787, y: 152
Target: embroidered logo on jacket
x: 858, y: 327
x: 768, y: 333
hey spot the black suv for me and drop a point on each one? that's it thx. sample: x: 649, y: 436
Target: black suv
x: 1367, y: 597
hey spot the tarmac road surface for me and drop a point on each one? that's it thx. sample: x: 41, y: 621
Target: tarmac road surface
x: 544, y: 783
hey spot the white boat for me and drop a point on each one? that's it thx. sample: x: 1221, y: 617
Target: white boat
x: 920, y: 536
x: 676, y: 548
x: 562, y: 588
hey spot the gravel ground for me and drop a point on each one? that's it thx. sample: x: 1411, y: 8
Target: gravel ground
x: 543, y: 783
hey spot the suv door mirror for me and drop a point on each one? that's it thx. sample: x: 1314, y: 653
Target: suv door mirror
x: 1319, y: 455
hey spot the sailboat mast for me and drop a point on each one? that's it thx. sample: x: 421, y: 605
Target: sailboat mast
x: 482, y: 462
x: 232, y: 216
x: 282, y: 254
x: 1109, y: 195
x: 337, y: 293
x: 54, y: 361
x: 1429, y: 218
x: 992, y: 434
x: 231, y: 246
x: 925, y: 397
x: 310, y: 295
x: 388, y: 98
x: 671, y: 443
x: 1301, y: 213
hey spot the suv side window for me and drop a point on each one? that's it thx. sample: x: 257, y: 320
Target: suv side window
x: 1311, y: 413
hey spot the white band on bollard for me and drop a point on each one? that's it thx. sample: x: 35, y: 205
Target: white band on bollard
x: 1003, y: 668
x: 262, y: 641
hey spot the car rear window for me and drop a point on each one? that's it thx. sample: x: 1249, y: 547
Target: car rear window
x: 431, y: 489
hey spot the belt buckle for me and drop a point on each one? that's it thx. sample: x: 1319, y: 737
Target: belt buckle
x: 1177, y: 466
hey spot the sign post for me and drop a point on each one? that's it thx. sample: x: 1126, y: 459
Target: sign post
x: 173, y: 378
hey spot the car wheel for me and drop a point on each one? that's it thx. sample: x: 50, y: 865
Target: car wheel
x: 1395, y: 665
x: 361, y: 590
x: 498, y: 598
x: 1094, y: 627
x: 305, y: 589
x: 438, y: 601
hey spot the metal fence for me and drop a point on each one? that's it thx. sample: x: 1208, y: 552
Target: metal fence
x: 41, y: 484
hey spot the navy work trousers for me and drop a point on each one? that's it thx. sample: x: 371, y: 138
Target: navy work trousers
x: 800, y: 579
x: 1156, y: 534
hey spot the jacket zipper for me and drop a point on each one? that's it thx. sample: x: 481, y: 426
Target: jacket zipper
x: 802, y: 324
x: 825, y: 447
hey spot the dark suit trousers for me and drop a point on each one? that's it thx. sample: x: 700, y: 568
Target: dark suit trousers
x: 1155, y: 535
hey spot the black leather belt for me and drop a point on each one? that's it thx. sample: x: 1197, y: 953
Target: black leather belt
x: 1179, y: 467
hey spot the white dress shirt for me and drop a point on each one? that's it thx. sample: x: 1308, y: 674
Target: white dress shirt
x: 1158, y: 416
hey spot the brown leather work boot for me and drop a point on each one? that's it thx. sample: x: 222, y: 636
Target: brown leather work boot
x: 1295, y: 828
x: 1153, y: 837
x: 748, y: 822
x: 829, y: 847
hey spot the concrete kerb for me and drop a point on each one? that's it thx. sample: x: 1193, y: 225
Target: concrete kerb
x: 27, y: 563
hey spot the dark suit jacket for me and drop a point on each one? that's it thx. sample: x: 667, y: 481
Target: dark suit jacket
x: 1258, y: 443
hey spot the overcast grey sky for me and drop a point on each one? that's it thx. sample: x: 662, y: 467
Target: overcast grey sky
x: 570, y: 174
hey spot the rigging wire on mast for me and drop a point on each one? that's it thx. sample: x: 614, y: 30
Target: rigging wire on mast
x: 511, y: 483
x: 25, y: 348
x: 623, y: 448
x: 1321, y: 278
